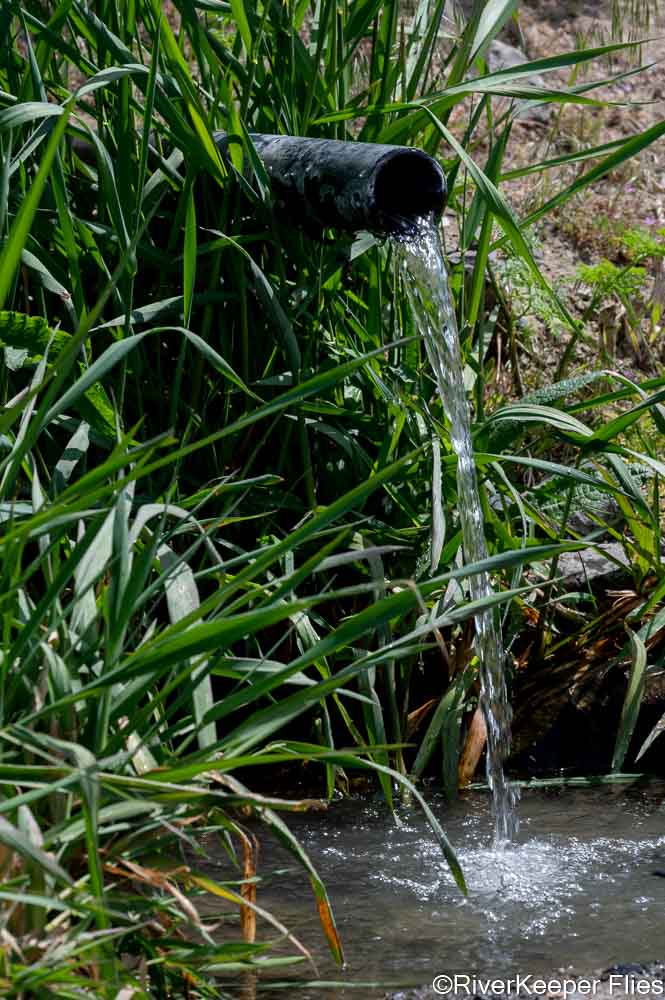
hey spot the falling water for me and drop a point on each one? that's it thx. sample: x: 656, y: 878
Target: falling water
x: 422, y: 260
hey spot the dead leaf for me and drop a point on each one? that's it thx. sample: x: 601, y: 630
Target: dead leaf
x: 415, y: 718
x: 329, y: 929
x: 250, y: 852
x: 473, y: 747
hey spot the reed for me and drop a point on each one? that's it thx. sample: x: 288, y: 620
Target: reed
x: 216, y: 471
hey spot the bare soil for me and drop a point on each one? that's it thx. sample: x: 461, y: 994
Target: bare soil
x: 589, y: 227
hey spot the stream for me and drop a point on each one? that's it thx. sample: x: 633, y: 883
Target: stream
x: 576, y: 891
x: 426, y: 282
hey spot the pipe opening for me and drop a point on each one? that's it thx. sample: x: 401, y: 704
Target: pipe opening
x: 409, y: 185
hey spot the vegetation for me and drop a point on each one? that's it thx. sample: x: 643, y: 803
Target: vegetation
x: 216, y: 474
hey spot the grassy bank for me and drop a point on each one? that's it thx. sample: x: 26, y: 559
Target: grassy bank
x: 222, y: 454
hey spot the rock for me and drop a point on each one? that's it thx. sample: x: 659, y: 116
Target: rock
x: 636, y: 970
x: 500, y: 55
x: 605, y: 563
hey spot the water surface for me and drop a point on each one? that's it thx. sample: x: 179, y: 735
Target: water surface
x: 576, y: 890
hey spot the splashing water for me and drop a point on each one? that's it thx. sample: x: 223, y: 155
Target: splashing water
x: 423, y: 264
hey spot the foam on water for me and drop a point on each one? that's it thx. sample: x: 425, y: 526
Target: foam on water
x: 530, y: 886
x: 577, y: 889
x: 528, y: 902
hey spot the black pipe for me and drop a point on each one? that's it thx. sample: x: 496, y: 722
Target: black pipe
x: 350, y: 185
x: 320, y: 183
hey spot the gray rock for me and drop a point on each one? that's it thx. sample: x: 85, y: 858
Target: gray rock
x: 499, y: 56
x: 604, y: 563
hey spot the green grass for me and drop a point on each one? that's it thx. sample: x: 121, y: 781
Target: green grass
x: 217, y: 465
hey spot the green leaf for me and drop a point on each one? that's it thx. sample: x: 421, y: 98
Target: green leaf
x: 109, y: 75
x: 493, y: 16
x: 240, y: 15
x: 17, y: 841
x: 182, y: 598
x: 189, y: 259
x: 95, y: 373
x: 655, y: 732
x: 532, y: 413
x: 28, y: 111
x: 632, y: 701
x: 10, y: 255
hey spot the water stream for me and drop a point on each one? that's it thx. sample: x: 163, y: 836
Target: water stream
x: 426, y: 280
x: 577, y: 890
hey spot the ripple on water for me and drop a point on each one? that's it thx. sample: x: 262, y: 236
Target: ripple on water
x: 523, y: 890
x: 541, y: 878
x: 576, y: 891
